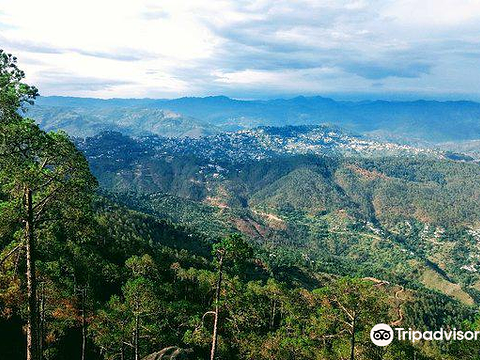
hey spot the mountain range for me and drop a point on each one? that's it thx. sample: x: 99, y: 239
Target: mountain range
x: 409, y: 122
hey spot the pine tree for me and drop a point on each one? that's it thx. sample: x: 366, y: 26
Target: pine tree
x: 43, y: 179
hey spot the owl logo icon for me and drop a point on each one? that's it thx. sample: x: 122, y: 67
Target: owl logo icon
x: 381, y: 335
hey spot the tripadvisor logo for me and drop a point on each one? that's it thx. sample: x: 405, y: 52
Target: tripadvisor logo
x: 383, y: 335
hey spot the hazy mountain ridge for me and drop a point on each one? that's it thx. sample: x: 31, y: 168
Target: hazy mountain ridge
x: 89, y: 121
x: 431, y: 121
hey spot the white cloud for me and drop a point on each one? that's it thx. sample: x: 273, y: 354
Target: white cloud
x: 434, y: 12
x: 167, y: 48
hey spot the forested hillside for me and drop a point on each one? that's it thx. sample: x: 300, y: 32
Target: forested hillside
x: 128, y: 247
x: 236, y: 172
x: 403, y: 218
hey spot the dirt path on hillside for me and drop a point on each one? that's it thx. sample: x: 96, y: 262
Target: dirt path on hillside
x: 399, y: 309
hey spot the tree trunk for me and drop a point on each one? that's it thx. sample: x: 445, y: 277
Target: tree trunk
x: 41, y: 327
x: 217, y: 308
x: 352, y: 340
x: 274, y: 312
x: 32, y: 331
x: 137, y: 329
x: 84, y: 332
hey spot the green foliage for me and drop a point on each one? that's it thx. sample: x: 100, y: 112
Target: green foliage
x: 234, y: 250
x: 14, y: 93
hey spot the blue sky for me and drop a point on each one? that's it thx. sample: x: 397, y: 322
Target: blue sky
x: 247, y: 49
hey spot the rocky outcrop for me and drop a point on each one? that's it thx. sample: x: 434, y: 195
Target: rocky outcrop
x: 171, y: 353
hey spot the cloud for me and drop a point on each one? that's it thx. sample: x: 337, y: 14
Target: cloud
x: 28, y: 46
x: 71, y: 82
x: 434, y: 13
x: 121, y: 54
x: 375, y: 71
x: 116, y: 54
x: 154, y: 13
x: 245, y: 48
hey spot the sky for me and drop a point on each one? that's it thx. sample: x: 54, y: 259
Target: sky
x: 246, y: 49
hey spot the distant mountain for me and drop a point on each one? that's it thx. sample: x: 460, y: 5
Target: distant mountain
x: 410, y: 121
x: 82, y: 121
